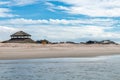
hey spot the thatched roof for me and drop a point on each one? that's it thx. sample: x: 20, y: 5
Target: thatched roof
x: 20, y: 33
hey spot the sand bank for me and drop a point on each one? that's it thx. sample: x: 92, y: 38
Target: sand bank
x: 26, y: 51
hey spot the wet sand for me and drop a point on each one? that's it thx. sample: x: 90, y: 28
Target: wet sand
x: 34, y: 51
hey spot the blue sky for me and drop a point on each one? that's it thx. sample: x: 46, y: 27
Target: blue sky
x: 61, y: 20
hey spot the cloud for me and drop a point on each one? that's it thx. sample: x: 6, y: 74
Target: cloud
x: 6, y: 31
x: 97, y: 21
x: 97, y: 8
x: 50, y: 6
x: 22, y: 2
x: 73, y: 33
x: 60, y: 33
x: 18, y: 2
x: 5, y: 12
x: 4, y: 2
x: 63, y: 29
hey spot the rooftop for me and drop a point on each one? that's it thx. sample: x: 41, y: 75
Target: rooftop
x: 20, y: 33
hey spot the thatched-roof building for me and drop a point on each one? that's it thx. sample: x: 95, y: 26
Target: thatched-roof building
x: 20, y: 37
x: 20, y: 34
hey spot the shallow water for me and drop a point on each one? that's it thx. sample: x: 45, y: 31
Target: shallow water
x: 97, y: 68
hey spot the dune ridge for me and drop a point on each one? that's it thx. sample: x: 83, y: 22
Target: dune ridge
x: 33, y: 51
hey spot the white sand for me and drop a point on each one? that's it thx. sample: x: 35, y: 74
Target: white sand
x: 25, y: 51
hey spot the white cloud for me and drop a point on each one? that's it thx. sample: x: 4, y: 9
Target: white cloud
x: 50, y: 6
x: 4, y: 2
x: 99, y: 8
x: 96, y: 21
x: 22, y: 2
x: 59, y: 33
x: 6, y: 31
x: 5, y: 12
x: 18, y: 2
x: 73, y: 33
x: 62, y: 30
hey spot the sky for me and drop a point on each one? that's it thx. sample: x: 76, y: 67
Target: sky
x: 61, y: 20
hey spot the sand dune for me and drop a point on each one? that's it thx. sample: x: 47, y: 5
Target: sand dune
x: 25, y: 51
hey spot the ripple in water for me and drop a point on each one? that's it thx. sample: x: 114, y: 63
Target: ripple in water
x: 99, y: 68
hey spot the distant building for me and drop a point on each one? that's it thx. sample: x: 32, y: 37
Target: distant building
x: 20, y: 37
x: 92, y: 42
x: 43, y: 41
x: 101, y: 42
x: 107, y: 42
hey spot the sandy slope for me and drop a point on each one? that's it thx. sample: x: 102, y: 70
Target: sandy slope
x: 24, y: 51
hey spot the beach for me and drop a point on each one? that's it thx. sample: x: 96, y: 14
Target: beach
x: 36, y: 51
